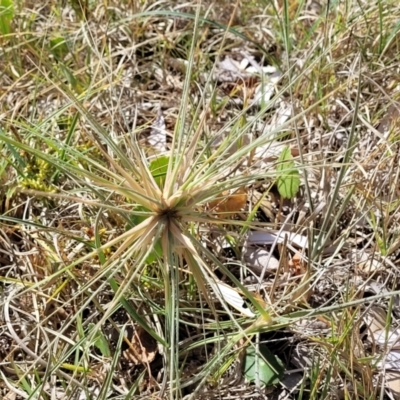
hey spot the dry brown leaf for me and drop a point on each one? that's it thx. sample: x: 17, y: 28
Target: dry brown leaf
x: 142, y: 349
x: 304, y: 290
x: 375, y: 319
x: 297, y: 265
x: 229, y: 204
x: 390, y: 119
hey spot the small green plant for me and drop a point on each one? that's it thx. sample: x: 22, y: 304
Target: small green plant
x: 288, y: 179
x: 100, y: 341
x: 262, y: 366
x: 6, y: 16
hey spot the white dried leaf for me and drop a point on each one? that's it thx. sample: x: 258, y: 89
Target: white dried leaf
x: 263, y: 93
x: 158, y: 133
x: 358, y: 256
x: 268, y: 70
x: 376, y: 319
x: 365, y: 261
x: 253, y: 67
x: 229, y: 64
x: 375, y: 287
x: 279, y: 118
x: 233, y: 298
x: 243, y: 65
x: 391, y: 361
x: 372, y: 265
x: 229, y: 70
x: 270, y: 237
x: 390, y: 338
x: 392, y: 381
x: 167, y: 79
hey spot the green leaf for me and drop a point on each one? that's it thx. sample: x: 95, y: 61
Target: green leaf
x: 100, y: 341
x: 69, y: 75
x: 136, y: 219
x: 59, y: 47
x: 268, y: 366
x: 156, y: 254
x: 158, y: 169
x: 6, y: 16
x: 288, y: 179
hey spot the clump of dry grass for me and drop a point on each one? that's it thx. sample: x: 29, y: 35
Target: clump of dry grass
x: 115, y: 260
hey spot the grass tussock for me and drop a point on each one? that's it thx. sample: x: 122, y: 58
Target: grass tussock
x: 199, y: 200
